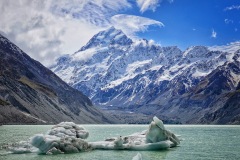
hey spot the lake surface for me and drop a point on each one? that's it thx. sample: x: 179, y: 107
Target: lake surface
x: 200, y: 142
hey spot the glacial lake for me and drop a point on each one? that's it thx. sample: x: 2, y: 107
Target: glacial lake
x: 199, y: 142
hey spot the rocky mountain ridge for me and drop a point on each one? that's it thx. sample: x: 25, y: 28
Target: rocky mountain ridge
x: 31, y: 93
x: 141, y: 76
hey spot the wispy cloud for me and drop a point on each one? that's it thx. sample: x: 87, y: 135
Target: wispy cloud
x: 145, y: 5
x: 228, y: 21
x: 233, y: 7
x: 214, y: 34
x: 95, y: 12
x: 131, y: 24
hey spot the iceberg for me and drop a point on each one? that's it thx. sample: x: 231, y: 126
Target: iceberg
x: 67, y: 137
x: 155, y: 138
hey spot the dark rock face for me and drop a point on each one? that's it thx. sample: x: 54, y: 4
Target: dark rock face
x: 227, y: 112
x: 31, y: 93
x: 214, y: 100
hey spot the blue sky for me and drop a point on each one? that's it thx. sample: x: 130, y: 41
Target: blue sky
x: 47, y: 29
x: 191, y: 22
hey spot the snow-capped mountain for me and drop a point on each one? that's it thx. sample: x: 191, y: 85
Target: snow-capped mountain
x: 115, y: 71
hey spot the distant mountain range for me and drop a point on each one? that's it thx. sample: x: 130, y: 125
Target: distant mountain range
x: 198, y: 85
x: 31, y: 93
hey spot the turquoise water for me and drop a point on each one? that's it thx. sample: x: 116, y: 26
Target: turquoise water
x: 200, y: 142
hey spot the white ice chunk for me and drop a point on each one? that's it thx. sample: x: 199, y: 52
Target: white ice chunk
x: 155, y: 138
x: 20, y: 147
x: 65, y: 137
x: 137, y: 157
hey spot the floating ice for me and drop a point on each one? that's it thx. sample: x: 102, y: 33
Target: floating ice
x: 137, y: 157
x: 155, y: 138
x: 67, y: 137
x: 20, y: 147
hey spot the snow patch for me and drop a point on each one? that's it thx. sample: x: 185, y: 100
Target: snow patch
x: 187, y: 51
x: 156, y: 67
x: 230, y: 48
x: 198, y: 74
x: 131, y: 68
x: 236, y: 79
x: 67, y: 74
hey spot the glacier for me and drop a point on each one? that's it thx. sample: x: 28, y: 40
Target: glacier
x: 67, y: 137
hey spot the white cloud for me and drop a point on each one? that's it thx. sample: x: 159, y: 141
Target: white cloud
x: 233, y: 7
x: 46, y: 29
x: 148, y: 4
x: 131, y: 24
x: 145, y: 5
x: 214, y: 34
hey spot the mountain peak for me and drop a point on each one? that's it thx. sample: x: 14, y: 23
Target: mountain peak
x: 196, y: 52
x: 110, y: 36
x: 111, y: 30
